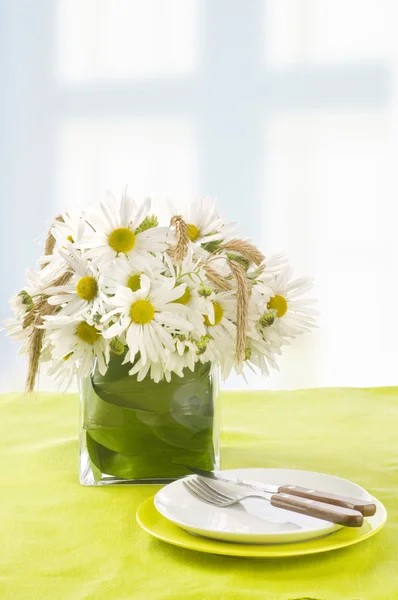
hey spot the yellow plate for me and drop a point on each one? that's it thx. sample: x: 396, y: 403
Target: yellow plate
x: 158, y: 526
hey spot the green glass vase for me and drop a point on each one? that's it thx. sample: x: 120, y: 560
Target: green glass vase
x: 146, y: 432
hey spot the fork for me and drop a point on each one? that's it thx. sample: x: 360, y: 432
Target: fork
x: 328, y: 512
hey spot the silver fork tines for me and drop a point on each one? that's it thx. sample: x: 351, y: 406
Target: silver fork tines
x: 201, y: 490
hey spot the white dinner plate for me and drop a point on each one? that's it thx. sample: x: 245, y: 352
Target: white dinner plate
x: 254, y: 520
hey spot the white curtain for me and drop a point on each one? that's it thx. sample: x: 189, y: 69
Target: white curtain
x: 284, y: 110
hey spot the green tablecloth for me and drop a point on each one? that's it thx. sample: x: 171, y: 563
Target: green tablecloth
x: 61, y: 541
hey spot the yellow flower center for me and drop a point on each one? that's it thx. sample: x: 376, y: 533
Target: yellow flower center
x: 218, y: 315
x: 70, y: 239
x: 279, y: 304
x: 87, y: 333
x: 185, y: 298
x: 134, y: 282
x: 142, y: 312
x: 87, y: 288
x: 193, y: 232
x: 122, y: 239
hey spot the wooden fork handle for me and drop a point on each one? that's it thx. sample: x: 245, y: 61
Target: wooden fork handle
x: 320, y: 510
x: 365, y: 507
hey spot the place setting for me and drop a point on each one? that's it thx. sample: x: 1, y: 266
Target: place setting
x: 263, y: 513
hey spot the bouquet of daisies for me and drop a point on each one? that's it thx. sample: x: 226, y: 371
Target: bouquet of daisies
x: 163, y: 298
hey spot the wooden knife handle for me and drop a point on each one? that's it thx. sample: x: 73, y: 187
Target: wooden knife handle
x: 320, y: 510
x: 365, y: 507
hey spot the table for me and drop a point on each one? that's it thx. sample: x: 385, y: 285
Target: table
x: 61, y: 541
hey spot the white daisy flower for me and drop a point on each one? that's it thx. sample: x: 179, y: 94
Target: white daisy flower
x: 254, y: 342
x: 223, y: 355
x: 197, y: 290
x: 71, y: 229
x: 117, y: 232
x: 184, y: 356
x: 83, y: 292
x: 285, y: 312
x: 204, y: 224
x: 275, y: 263
x: 65, y: 370
x: 77, y: 341
x: 21, y: 303
x: 122, y: 272
x: 263, y: 276
x: 187, y: 353
x: 37, y: 282
x: 16, y: 331
x: 220, y: 326
x: 260, y: 353
x: 149, y: 317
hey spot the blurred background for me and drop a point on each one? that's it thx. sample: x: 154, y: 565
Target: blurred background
x: 285, y: 111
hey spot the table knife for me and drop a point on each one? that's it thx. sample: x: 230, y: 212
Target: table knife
x: 366, y: 507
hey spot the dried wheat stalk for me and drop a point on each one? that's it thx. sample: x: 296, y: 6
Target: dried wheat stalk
x: 50, y: 240
x: 41, y: 306
x: 35, y: 346
x: 34, y: 317
x: 244, y: 248
x: 242, y: 308
x: 218, y: 280
x: 179, y: 251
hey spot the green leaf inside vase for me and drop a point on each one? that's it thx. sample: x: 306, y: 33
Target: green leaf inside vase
x: 139, y: 430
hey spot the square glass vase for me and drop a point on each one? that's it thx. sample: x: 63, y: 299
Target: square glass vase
x: 145, y: 432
